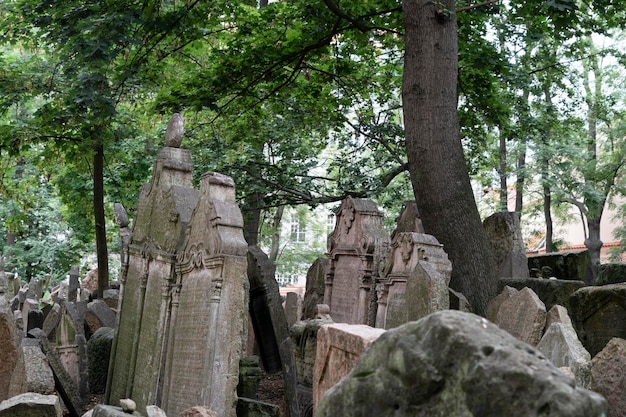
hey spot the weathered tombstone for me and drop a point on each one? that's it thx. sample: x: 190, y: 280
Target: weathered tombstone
x: 314, y: 293
x: 74, y: 286
x: 561, y: 346
x: 598, y: 315
x: 249, y: 377
x: 558, y: 314
x: 71, y: 345
x: 304, y: 337
x: 211, y: 275
x: 31, y: 404
x: 611, y: 273
x: 339, y: 346
x: 28, y: 305
x: 98, y: 315
x: 414, y: 278
x: 9, y: 345
x: 269, y: 322
x: 32, y: 372
x: 293, y: 308
x: 112, y: 298
x: 52, y: 321
x: 98, y: 355
x: 569, y: 265
x: 121, y: 218
x: 35, y: 319
x: 355, y: 247
x: 523, y: 315
x: 452, y: 363
x: 409, y: 220
x: 549, y: 291
x: 505, y: 237
x: 34, y: 289
x: 148, y: 286
x: 608, y: 376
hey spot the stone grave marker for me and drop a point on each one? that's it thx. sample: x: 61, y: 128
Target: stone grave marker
x: 148, y: 282
x: 32, y: 372
x: 608, y: 375
x: 74, y: 285
x: 314, y: 293
x: 9, y: 345
x: 293, y: 308
x: 203, y: 355
x: 414, y: 278
x: 561, y: 346
x: 505, y: 237
x: 355, y: 248
x: 523, y: 315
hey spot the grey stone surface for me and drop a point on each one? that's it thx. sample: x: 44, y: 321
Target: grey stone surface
x: 31, y: 404
x: 314, y: 293
x: 32, y: 372
x: 456, y: 364
x: 99, y: 314
x: 550, y: 291
x: 523, y: 315
x: 293, y: 308
x: 495, y: 303
x: 413, y: 280
x: 247, y: 407
x: 558, y: 314
x: 569, y: 265
x: 598, y: 315
x: 505, y: 237
x: 608, y: 376
x: 98, y: 354
x: 355, y: 248
x: 154, y: 411
x: 561, y: 346
x: 102, y: 410
x: 9, y: 345
x: 611, y: 273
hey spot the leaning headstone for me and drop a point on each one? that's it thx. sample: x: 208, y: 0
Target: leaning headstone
x: 458, y: 301
x: 269, y: 322
x: 505, y: 237
x: 74, y: 285
x: 409, y: 220
x: 452, y: 363
x: 31, y: 404
x: 213, y: 264
x: 148, y: 295
x: 355, y: 248
x: 28, y: 305
x: 32, y: 372
x: 608, y: 376
x: 414, y: 278
x: 549, y: 291
x: 52, y: 321
x: 98, y: 354
x: 558, y: 314
x: 314, y: 293
x: 523, y: 315
x: 293, y: 308
x: 9, y: 345
x: 339, y: 346
x: 98, y: 315
x: 561, y: 346
x: 598, y: 315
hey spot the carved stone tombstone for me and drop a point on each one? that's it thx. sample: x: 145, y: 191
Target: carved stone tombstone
x: 414, y: 278
x: 354, y: 250
x: 505, y: 237
x: 210, y: 307
x: 162, y: 217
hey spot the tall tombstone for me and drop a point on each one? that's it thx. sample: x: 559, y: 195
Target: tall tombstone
x: 314, y: 293
x: 505, y: 237
x: 72, y: 293
x: 162, y: 217
x: 414, y: 278
x: 269, y: 323
x: 354, y: 249
x: 208, y: 330
x: 71, y: 345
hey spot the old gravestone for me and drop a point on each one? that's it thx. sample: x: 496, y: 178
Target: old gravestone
x: 314, y: 293
x: 505, y: 237
x: 608, y: 376
x: 162, y: 216
x: 203, y: 355
x: 354, y: 250
x: 9, y: 344
x: 414, y: 278
x: 523, y: 315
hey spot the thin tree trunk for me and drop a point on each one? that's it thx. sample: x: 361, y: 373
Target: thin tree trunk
x: 278, y: 216
x: 545, y: 173
x: 521, y: 165
x: 437, y: 164
x: 252, y: 218
x: 100, y: 219
x: 504, y: 195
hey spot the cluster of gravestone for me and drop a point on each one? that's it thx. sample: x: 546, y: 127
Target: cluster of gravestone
x: 378, y: 331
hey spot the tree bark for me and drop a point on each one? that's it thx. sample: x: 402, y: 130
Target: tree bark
x: 437, y: 164
x: 504, y: 195
x: 100, y: 219
x: 278, y: 217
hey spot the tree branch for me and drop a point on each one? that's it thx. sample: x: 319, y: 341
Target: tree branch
x: 476, y: 6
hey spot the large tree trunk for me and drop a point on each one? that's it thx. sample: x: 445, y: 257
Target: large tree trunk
x: 437, y: 164
x: 100, y: 220
x: 594, y: 244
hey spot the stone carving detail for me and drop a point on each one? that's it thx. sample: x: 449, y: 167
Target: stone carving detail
x: 175, y: 131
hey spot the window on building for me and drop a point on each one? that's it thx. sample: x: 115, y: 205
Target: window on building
x: 330, y: 223
x: 298, y: 234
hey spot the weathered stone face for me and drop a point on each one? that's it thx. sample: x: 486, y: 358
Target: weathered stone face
x: 608, y: 375
x: 523, y: 315
x: 505, y: 237
x: 414, y: 278
x: 456, y: 364
x: 8, y: 347
x: 561, y: 346
x: 314, y: 294
x: 354, y: 250
x: 32, y: 405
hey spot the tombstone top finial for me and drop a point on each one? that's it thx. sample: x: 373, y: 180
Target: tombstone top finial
x: 175, y: 131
